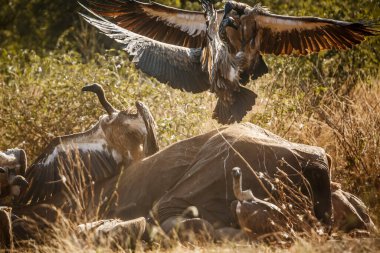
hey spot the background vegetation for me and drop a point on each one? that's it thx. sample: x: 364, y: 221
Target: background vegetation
x: 330, y: 99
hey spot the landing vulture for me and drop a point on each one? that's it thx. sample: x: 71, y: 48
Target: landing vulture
x: 180, y: 47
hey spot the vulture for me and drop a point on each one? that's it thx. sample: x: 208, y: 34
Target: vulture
x: 257, y: 217
x: 185, y: 49
x: 117, y: 140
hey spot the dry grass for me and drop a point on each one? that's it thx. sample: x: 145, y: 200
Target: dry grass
x: 347, y: 126
x: 40, y: 98
x: 63, y: 238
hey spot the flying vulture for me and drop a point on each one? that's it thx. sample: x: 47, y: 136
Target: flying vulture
x: 181, y: 47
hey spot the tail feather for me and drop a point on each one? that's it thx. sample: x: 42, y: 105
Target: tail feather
x: 228, y: 114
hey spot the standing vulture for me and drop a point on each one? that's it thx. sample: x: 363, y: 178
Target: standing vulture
x: 70, y: 162
x: 178, y: 47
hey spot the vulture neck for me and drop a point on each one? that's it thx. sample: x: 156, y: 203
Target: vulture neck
x: 239, y: 193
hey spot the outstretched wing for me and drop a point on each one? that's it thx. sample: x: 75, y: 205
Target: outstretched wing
x: 71, y: 161
x: 304, y: 35
x: 159, y: 22
x: 180, y: 67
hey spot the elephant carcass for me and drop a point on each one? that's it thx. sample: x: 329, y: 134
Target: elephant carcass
x: 145, y: 182
x: 207, y: 182
x: 197, y: 172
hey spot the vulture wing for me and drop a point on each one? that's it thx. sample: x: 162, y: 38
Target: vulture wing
x: 159, y: 22
x: 180, y: 67
x: 305, y: 35
x: 69, y: 161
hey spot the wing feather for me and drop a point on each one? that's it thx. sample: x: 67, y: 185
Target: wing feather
x: 158, y: 59
x: 171, y: 25
x: 84, y: 156
x: 304, y: 35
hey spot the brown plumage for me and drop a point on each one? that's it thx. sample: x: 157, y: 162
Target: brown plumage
x: 164, y: 24
x: 156, y: 21
x: 284, y: 35
x: 224, y: 70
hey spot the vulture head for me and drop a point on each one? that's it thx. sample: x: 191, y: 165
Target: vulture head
x: 235, y: 8
x: 229, y: 22
x: 12, y: 171
x: 13, y: 162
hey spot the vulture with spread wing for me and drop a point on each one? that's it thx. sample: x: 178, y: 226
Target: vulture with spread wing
x: 185, y: 48
x: 117, y: 140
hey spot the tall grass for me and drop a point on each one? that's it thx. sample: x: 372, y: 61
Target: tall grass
x: 316, y: 101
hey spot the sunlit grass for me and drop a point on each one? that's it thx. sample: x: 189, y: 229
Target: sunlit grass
x: 40, y: 98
